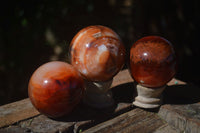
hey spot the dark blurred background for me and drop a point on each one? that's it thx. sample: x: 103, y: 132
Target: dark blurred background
x: 39, y: 31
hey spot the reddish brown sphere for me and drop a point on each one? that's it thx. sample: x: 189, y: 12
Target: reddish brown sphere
x: 97, y: 53
x: 55, y: 88
x: 152, y: 61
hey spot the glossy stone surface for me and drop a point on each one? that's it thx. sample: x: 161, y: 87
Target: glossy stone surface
x: 97, y: 52
x: 55, y: 88
x: 152, y: 61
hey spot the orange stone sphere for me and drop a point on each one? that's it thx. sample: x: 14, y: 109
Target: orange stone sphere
x: 55, y: 88
x: 97, y: 53
x: 152, y: 61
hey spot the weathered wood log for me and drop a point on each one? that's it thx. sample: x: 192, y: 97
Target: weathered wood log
x: 27, y: 119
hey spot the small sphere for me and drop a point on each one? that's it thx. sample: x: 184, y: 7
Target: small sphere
x: 152, y: 61
x: 97, y: 53
x: 55, y: 88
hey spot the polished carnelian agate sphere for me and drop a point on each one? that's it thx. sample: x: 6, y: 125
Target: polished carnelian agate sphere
x: 97, y: 53
x: 55, y: 88
x: 152, y: 61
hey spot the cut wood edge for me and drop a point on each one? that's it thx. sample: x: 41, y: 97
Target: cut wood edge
x: 182, y: 117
